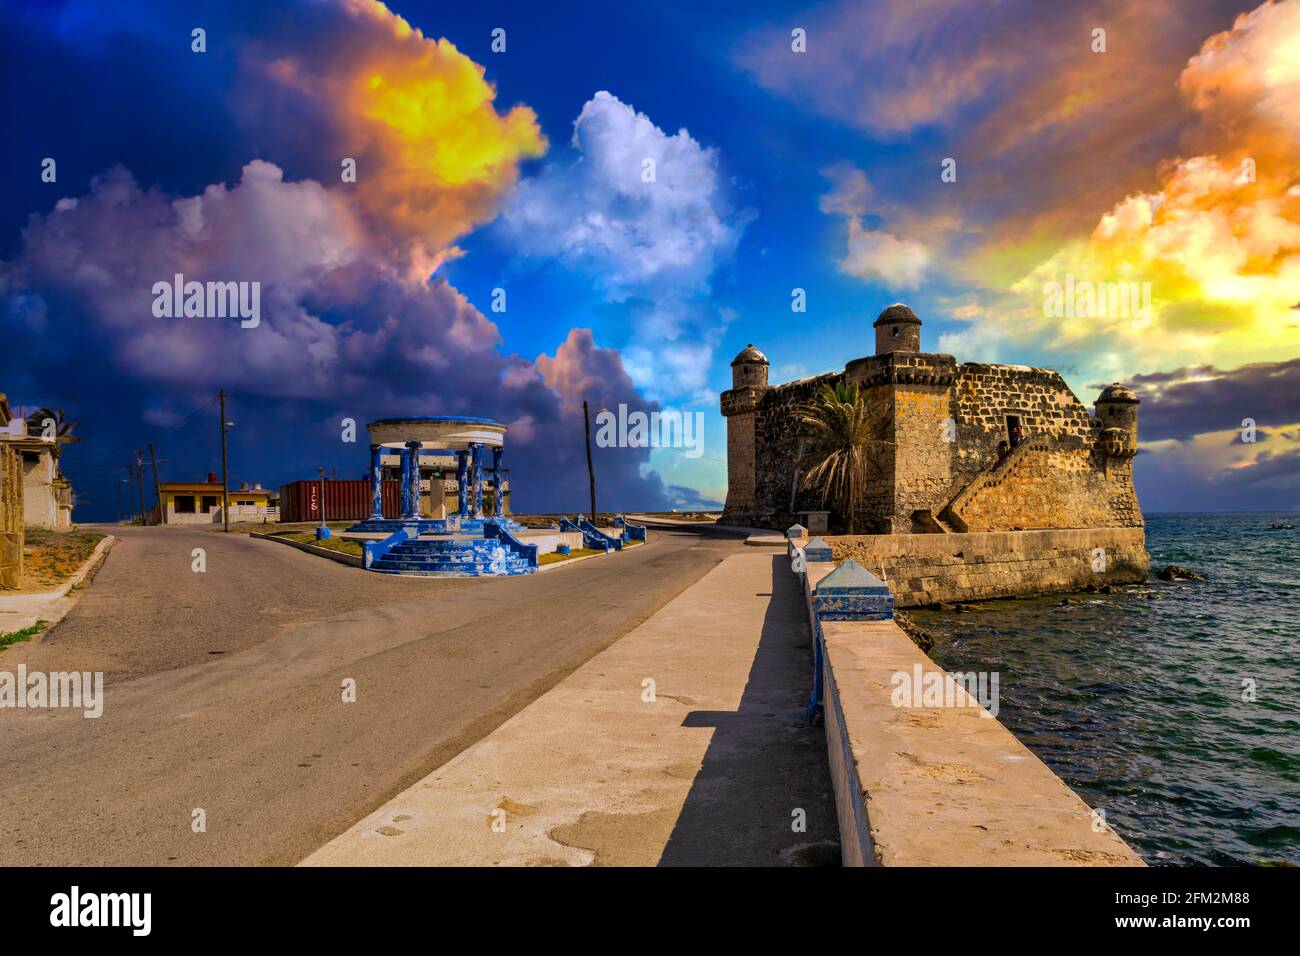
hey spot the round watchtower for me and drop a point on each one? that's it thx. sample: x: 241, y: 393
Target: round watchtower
x: 1117, y: 411
x: 749, y: 368
x: 897, y: 330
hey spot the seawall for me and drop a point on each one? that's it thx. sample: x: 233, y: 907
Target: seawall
x: 932, y: 785
x: 932, y: 568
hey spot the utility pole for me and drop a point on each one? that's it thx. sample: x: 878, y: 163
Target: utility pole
x: 139, y: 471
x: 129, y: 481
x: 591, y: 470
x: 118, y: 485
x: 225, y: 468
x: 157, y: 487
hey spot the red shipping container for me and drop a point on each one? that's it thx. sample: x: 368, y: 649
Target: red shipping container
x: 345, y: 500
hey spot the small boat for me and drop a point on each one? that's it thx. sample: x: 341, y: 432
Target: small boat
x: 1279, y: 526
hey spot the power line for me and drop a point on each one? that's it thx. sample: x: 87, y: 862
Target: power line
x: 104, y: 460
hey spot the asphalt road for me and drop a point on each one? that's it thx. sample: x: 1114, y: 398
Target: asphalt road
x: 224, y: 690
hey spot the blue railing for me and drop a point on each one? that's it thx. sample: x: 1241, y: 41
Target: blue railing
x: 631, y: 532
x: 374, y: 550
x: 594, y: 537
x: 526, y: 551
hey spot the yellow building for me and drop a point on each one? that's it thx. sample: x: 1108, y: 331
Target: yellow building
x: 199, y: 502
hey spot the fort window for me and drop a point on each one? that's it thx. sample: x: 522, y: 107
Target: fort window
x: 185, y: 504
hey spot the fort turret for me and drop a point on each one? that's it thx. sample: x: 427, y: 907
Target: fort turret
x: 897, y: 330
x: 739, y: 406
x: 1117, y: 413
x: 749, y: 368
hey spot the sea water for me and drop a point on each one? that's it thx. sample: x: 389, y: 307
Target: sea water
x: 1141, y: 700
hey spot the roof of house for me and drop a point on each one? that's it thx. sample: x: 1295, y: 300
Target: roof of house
x: 213, y: 487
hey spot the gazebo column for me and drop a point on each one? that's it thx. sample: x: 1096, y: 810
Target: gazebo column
x: 476, y: 449
x: 499, y: 498
x: 405, y: 483
x: 376, y: 482
x: 462, y: 489
x: 413, y: 478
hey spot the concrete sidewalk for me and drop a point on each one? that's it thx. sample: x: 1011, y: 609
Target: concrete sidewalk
x: 718, y: 768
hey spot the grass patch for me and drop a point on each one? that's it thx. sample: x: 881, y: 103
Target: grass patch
x: 340, y: 545
x: 555, y: 558
x: 51, y: 557
x: 26, y: 634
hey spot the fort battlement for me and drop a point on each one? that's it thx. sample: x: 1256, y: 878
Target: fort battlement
x: 964, y: 448
x: 946, y: 428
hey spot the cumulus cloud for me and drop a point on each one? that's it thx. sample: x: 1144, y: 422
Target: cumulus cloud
x: 347, y: 330
x: 434, y: 155
x: 644, y: 214
x: 871, y: 254
x: 1219, y: 239
x: 898, y: 263
x: 598, y: 213
x: 849, y: 193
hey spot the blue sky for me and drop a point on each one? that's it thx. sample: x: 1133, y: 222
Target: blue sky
x: 778, y: 170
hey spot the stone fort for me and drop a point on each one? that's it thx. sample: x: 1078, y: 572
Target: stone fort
x: 968, y: 448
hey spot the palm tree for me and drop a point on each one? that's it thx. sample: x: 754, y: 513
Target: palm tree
x: 63, y: 426
x: 843, y: 444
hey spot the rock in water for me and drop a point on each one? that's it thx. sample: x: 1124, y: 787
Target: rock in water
x: 1176, y: 572
x: 920, y: 637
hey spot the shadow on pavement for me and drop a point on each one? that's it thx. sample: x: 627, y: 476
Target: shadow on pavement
x: 764, y: 762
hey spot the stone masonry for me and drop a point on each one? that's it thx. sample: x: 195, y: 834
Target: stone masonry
x: 949, y: 464
x: 972, y: 451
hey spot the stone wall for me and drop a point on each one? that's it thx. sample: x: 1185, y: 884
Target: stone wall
x: 925, y: 400
x: 934, y: 782
x: 1055, y: 489
x: 926, y: 569
x: 777, y: 495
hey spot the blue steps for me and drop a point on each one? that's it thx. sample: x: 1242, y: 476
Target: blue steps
x: 459, y: 556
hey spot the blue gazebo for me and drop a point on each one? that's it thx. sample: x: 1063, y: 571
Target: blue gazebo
x: 407, y: 443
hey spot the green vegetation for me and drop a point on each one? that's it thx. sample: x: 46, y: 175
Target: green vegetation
x: 554, y: 558
x: 341, y: 545
x: 840, y: 431
x: 26, y: 634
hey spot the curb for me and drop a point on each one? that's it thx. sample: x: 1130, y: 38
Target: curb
x: 352, y: 560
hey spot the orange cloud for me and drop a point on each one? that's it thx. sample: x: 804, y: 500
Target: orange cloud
x: 1219, y: 240
x: 434, y: 156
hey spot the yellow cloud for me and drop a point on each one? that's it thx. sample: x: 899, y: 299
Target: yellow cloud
x: 435, y: 157
x: 1219, y: 239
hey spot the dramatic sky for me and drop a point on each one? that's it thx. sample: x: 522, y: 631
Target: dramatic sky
x: 1170, y: 158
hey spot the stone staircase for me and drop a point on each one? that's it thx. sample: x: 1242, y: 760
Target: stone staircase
x: 462, y: 557
x: 950, y: 516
